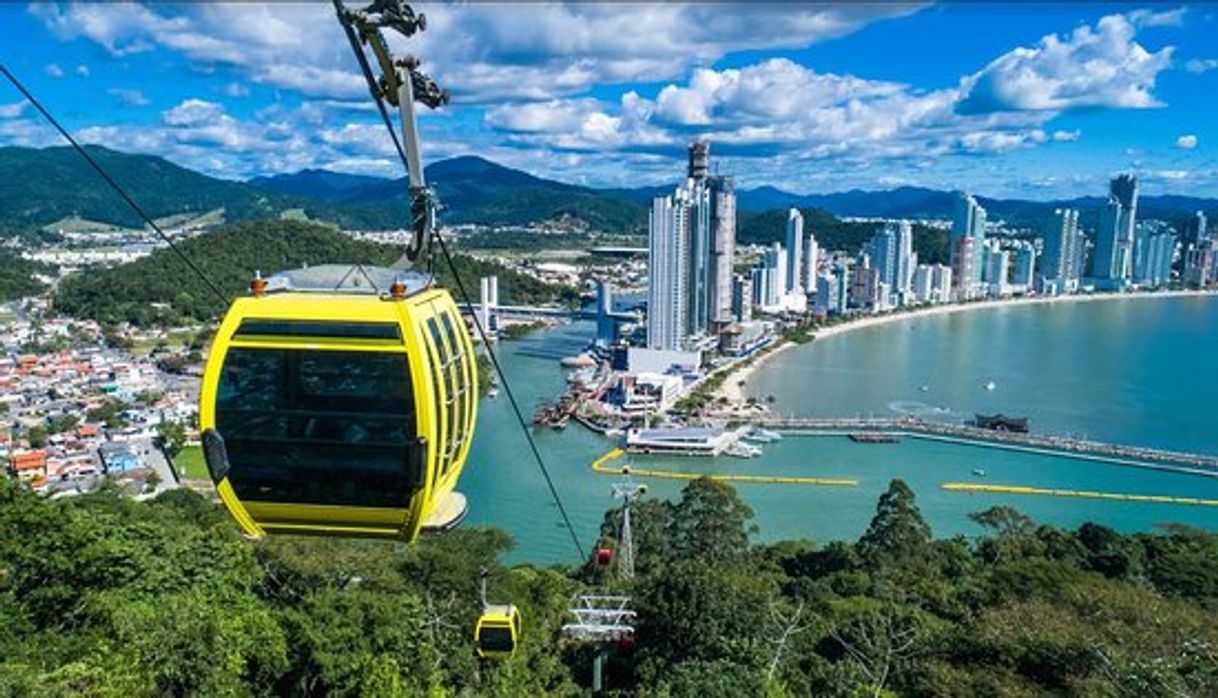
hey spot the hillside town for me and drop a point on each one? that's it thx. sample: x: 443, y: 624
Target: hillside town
x: 77, y: 411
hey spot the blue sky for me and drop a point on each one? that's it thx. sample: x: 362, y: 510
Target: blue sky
x: 1038, y: 101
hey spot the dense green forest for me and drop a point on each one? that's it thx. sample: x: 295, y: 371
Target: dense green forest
x: 229, y: 258
x: 17, y: 276
x: 102, y: 596
x: 832, y: 233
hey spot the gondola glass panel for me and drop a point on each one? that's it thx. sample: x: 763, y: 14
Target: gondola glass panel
x: 317, y: 426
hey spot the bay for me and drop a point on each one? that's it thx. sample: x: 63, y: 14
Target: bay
x: 1138, y: 371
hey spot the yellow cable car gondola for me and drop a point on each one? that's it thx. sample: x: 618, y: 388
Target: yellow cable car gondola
x: 337, y: 409
x: 498, y: 628
x: 498, y: 631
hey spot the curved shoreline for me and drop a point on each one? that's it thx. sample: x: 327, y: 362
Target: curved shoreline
x: 734, y: 393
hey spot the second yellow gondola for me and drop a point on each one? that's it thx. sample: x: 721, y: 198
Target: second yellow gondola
x: 342, y: 409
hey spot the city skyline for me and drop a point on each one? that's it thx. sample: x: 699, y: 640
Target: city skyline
x: 810, y: 99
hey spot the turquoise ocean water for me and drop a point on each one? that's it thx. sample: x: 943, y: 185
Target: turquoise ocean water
x: 1138, y: 371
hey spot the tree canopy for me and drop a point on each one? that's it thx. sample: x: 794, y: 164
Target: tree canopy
x: 101, y: 595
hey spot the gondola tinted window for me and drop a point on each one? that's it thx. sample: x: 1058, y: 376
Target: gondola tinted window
x: 318, y: 427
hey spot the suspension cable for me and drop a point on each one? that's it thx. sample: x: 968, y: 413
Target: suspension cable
x: 113, y: 185
x: 465, y: 297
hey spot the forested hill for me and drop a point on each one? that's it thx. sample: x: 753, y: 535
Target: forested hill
x: 102, y: 596
x: 229, y: 257
x: 41, y: 186
x: 472, y: 190
x: 44, y: 186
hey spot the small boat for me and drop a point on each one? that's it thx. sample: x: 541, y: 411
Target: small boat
x: 990, y: 385
x: 925, y: 388
x: 762, y: 436
x: 493, y: 392
x: 743, y: 450
x: 978, y: 472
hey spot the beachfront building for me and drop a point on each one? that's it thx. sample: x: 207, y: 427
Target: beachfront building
x: 968, y: 223
x: 964, y: 271
x: 997, y: 269
x: 1200, y: 263
x: 1112, y: 262
x: 1154, y: 250
x: 793, y: 275
x: 1023, y: 267
x: 1060, y: 262
x: 811, y: 263
x: 691, y: 244
x: 941, y: 284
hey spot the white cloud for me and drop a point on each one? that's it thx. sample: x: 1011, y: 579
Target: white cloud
x: 482, y: 52
x: 1150, y: 18
x: 1067, y: 136
x: 193, y: 112
x: 12, y: 111
x: 236, y: 89
x: 82, y: 70
x: 1201, y: 65
x: 1100, y: 67
x: 1187, y: 141
x: 53, y: 70
x: 129, y: 97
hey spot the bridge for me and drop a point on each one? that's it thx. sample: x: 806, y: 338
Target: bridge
x: 1195, y: 463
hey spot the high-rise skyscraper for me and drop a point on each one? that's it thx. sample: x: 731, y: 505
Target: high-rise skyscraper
x: 1112, y: 263
x: 795, y: 241
x: 967, y: 223
x: 691, y: 243
x: 1154, y: 249
x: 906, y: 261
x: 965, y: 270
x: 1024, y: 266
x: 1203, y: 232
x: 891, y: 252
x: 667, y: 271
x: 941, y: 284
x: 1059, y: 268
x: 811, y: 263
x: 923, y: 279
x: 774, y: 261
x: 722, y: 249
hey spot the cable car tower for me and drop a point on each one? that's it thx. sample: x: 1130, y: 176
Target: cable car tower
x: 626, y: 490
x: 607, y: 619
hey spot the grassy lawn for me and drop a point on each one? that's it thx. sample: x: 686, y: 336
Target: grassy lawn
x: 190, y: 465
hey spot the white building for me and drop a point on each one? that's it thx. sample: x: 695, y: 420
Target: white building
x: 793, y: 274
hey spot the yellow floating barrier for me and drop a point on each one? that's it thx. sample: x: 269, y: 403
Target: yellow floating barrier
x: 601, y: 465
x: 1114, y: 496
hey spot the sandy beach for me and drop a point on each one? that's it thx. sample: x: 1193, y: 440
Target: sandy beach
x: 733, y: 392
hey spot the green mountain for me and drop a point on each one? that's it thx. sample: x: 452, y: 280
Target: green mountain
x: 472, y: 190
x: 57, y: 183
x: 229, y: 257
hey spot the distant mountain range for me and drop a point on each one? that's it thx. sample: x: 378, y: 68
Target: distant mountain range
x: 466, y: 184
x: 43, y: 186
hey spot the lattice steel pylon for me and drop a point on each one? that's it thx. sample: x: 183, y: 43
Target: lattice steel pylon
x: 600, y: 620
x: 626, y: 490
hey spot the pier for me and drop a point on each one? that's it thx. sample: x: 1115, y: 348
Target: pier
x: 1141, y: 456
x: 1115, y: 496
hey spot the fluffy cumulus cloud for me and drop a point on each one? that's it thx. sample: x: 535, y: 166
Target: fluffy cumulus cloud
x: 1101, y: 66
x: 482, y: 52
x: 1187, y: 141
x: 527, y: 72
